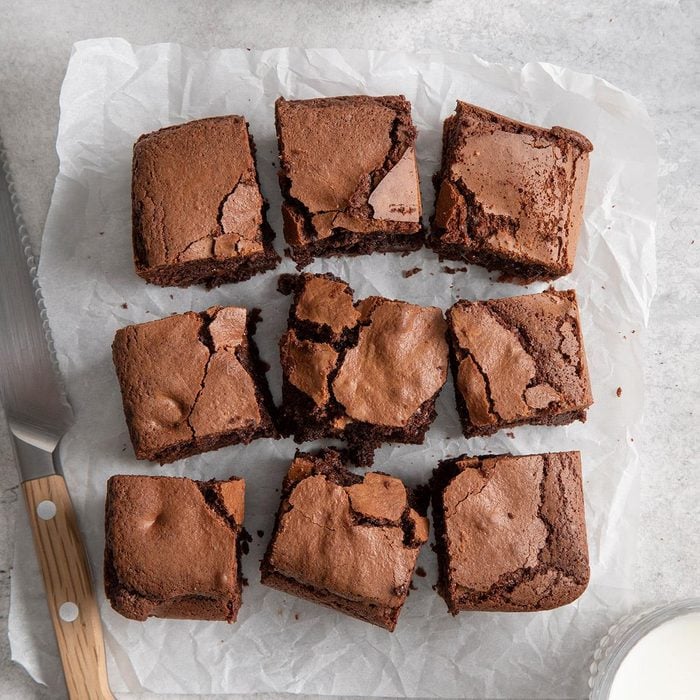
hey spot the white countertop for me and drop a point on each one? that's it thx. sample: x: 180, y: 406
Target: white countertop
x: 647, y: 47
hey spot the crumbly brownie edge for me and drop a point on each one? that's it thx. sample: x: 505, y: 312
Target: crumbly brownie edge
x: 442, y: 475
x: 381, y: 616
x: 257, y: 369
x: 349, y: 243
x: 364, y: 438
x: 511, y: 269
x: 212, y: 272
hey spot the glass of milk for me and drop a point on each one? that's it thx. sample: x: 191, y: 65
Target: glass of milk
x: 654, y: 655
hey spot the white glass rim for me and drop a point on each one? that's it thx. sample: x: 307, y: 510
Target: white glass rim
x: 632, y: 629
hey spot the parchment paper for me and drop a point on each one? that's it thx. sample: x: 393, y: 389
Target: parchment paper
x: 112, y: 93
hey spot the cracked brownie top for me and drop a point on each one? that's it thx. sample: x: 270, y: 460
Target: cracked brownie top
x: 368, y: 371
x: 348, y: 170
x: 510, y: 195
x: 196, y: 197
x: 349, y: 536
x: 189, y: 379
x: 156, y: 527
x: 510, y: 531
x: 519, y: 360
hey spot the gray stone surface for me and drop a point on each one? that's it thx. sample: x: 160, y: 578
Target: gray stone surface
x: 647, y: 47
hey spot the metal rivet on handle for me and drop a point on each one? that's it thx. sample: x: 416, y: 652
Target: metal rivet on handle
x: 46, y: 510
x: 68, y: 612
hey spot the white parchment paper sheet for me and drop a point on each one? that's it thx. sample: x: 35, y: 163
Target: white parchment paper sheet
x: 113, y: 92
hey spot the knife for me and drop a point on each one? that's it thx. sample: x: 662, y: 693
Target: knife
x: 38, y: 414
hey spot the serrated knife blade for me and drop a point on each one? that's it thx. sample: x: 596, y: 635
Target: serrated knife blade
x: 38, y: 415
x: 31, y: 391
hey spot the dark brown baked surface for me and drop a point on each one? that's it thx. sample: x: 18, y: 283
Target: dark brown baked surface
x: 509, y: 195
x: 172, y: 547
x: 198, y: 214
x: 348, y: 176
x: 518, y: 360
x: 345, y: 541
x: 367, y: 371
x: 510, y: 531
x: 192, y: 382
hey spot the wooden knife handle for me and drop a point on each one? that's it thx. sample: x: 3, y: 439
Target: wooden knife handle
x: 66, y: 572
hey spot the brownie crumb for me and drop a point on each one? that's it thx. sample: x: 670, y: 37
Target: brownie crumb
x: 296, y: 616
x: 411, y: 587
x: 260, y: 533
x: 411, y: 272
x: 102, y: 233
x: 420, y: 571
x: 619, y: 391
x: 510, y: 434
x: 452, y: 270
x: 244, y: 581
x: 125, y: 305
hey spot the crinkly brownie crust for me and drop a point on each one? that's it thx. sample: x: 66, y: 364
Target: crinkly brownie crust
x: 510, y: 532
x: 192, y: 382
x: 518, y: 360
x: 348, y: 176
x: 367, y: 371
x: 345, y: 541
x: 198, y: 214
x: 172, y: 547
x: 509, y: 195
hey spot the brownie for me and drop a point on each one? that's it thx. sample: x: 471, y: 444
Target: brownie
x: 518, y: 360
x: 509, y: 195
x: 348, y: 175
x: 367, y: 371
x: 198, y: 215
x: 345, y: 541
x: 172, y: 547
x: 510, y: 532
x: 192, y: 382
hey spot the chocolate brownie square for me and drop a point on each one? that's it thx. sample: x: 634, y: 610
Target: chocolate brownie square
x: 198, y: 215
x: 172, y: 547
x: 192, y: 382
x: 367, y: 371
x: 509, y: 195
x: 518, y: 360
x: 510, y: 532
x: 345, y: 541
x: 348, y: 175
